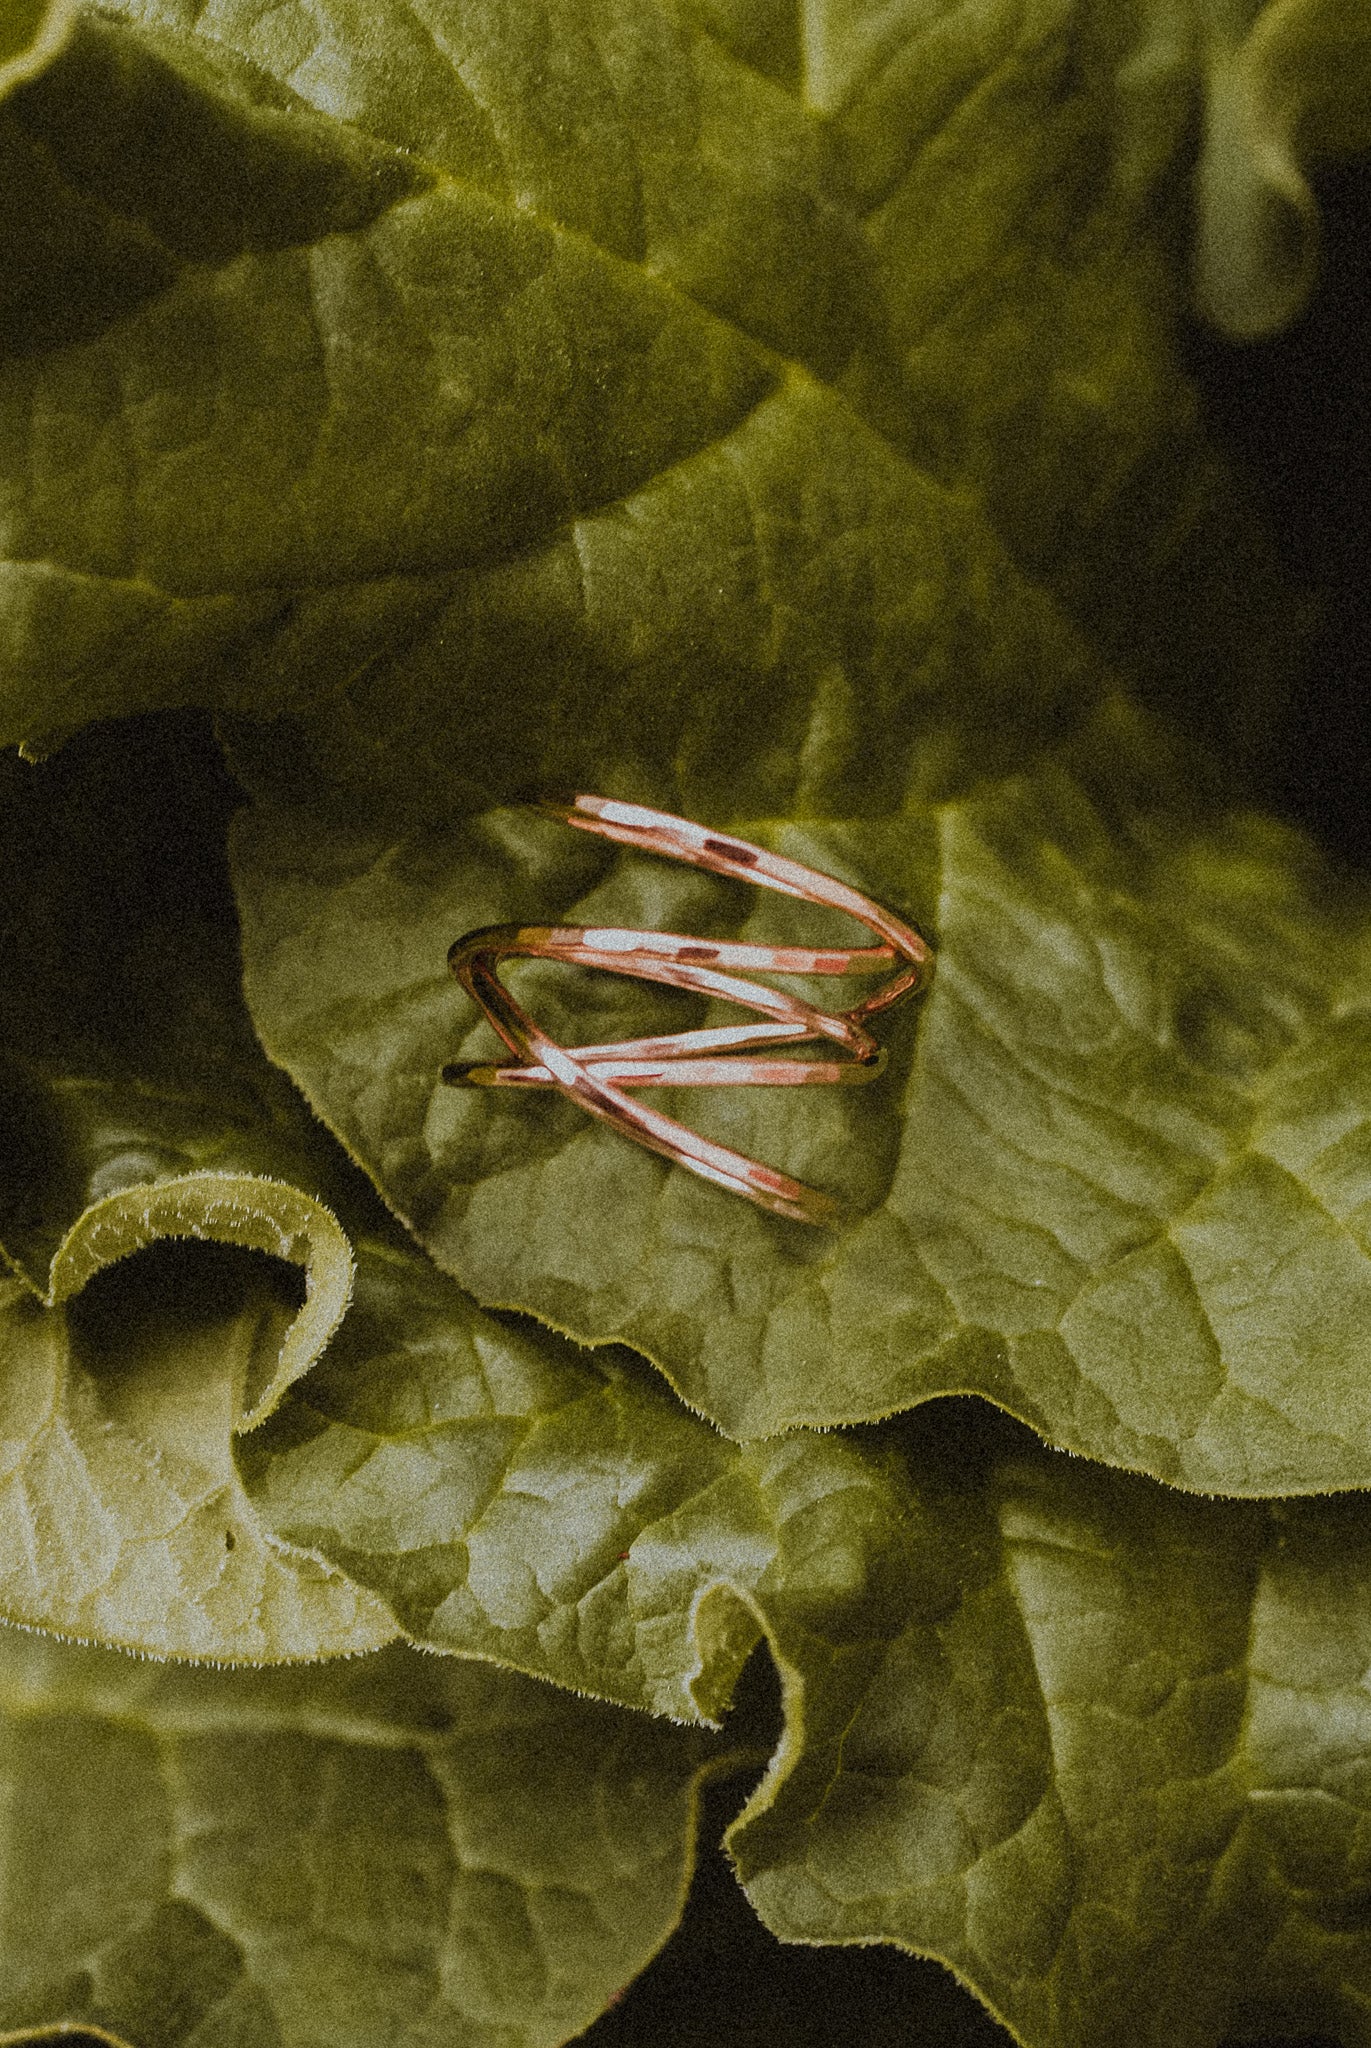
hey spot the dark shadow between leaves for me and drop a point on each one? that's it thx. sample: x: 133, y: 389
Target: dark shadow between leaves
x: 723, y: 1981
x: 1291, y: 414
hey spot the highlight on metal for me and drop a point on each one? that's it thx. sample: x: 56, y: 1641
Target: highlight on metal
x: 598, y: 1076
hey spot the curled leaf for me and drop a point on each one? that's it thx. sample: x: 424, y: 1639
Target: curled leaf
x: 127, y: 1371
x: 122, y: 1517
x: 32, y: 32
x: 1099, y: 1746
x: 1294, y: 90
x: 223, y: 1208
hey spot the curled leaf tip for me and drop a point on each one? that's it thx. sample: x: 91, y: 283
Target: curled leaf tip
x: 1257, y: 222
x: 32, y: 33
x: 1294, y: 91
x: 247, y: 1210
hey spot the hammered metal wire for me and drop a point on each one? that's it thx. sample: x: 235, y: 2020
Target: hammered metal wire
x: 596, y: 1076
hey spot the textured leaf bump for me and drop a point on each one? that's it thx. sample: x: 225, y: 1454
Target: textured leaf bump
x: 1111, y: 1766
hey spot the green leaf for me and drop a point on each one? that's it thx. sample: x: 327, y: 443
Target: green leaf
x: 961, y: 1726
x: 122, y: 1516
x: 723, y: 1977
x: 509, y: 1499
x: 74, y: 2037
x: 388, y: 1850
x: 225, y: 1208
x: 1096, y: 1745
x: 608, y: 270
x: 125, y: 1058
x: 291, y: 271
x: 1111, y: 1765
x: 478, y: 1484
x: 1137, y: 1091
x: 133, y: 1365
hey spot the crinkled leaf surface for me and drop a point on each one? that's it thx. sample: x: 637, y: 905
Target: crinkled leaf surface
x: 1077, y: 1804
x: 1113, y: 1767
x: 1096, y: 1744
x: 1114, y: 1177
x: 135, y: 1108
x: 779, y: 614
x: 724, y: 1977
x: 386, y: 389
x: 391, y: 1850
x: 665, y: 487
x: 510, y: 1499
x: 437, y: 1441
x: 332, y: 331
x: 122, y: 1517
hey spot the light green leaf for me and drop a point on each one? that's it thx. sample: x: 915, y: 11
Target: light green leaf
x: 224, y: 1208
x: 1136, y: 1094
x: 579, y: 250
x: 74, y: 2037
x: 393, y: 1850
x: 122, y: 1518
x: 510, y: 1499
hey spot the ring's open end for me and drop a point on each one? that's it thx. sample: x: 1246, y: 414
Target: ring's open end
x: 810, y: 1205
x: 557, y: 803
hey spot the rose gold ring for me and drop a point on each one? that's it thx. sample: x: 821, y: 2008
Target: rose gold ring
x: 595, y: 1076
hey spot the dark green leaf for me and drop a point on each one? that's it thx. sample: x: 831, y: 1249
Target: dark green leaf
x: 354, y: 326
x: 1137, y: 1091
x: 1112, y: 1766
x: 31, y: 34
x: 1294, y: 88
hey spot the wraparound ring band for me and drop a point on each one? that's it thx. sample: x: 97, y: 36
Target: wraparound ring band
x: 597, y: 1076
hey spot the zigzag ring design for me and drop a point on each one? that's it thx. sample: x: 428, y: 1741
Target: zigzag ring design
x: 596, y: 1076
